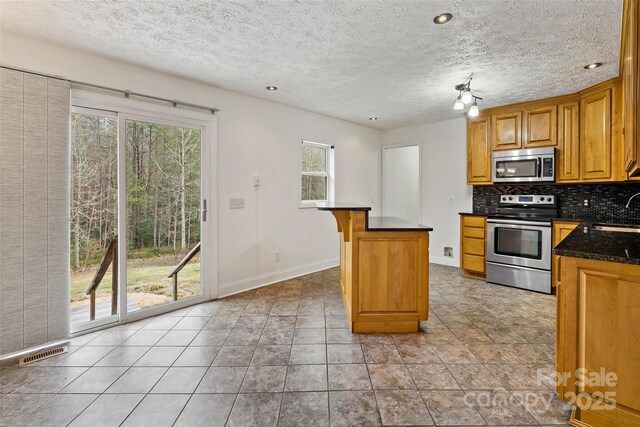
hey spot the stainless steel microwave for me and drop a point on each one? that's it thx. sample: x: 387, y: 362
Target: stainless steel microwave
x: 532, y: 165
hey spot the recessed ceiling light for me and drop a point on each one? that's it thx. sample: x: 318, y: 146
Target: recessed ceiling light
x: 592, y: 66
x: 272, y: 88
x: 443, y: 18
x: 373, y: 119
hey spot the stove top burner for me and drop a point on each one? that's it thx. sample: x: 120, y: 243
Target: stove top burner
x: 527, y: 207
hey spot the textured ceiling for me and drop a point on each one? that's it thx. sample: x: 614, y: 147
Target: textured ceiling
x: 350, y: 59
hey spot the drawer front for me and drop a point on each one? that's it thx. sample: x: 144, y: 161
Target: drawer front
x: 473, y: 246
x: 477, y: 233
x: 473, y: 263
x: 474, y: 221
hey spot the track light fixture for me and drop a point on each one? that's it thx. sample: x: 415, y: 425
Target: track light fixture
x: 465, y: 96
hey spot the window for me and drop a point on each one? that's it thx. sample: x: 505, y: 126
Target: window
x: 316, y: 167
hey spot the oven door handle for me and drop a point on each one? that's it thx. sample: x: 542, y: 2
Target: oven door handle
x: 518, y: 222
x: 539, y: 167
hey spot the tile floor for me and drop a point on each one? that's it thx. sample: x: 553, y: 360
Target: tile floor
x: 282, y: 355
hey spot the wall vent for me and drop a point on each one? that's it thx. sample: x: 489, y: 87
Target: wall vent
x: 41, y: 355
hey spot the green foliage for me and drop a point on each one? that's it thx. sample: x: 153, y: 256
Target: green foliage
x: 314, y: 160
x: 162, y: 166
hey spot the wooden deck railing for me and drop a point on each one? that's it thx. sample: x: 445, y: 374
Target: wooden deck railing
x: 180, y: 266
x: 110, y: 257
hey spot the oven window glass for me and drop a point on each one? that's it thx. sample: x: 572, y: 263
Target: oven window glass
x: 517, y: 168
x: 518, y: 242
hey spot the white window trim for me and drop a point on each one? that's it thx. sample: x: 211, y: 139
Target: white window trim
x: 329, y: 174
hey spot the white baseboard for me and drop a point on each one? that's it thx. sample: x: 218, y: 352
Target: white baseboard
x: 442, y: 260
x: 277, y: 276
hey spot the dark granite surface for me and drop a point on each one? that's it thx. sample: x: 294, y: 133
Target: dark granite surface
x: 341, y: 206
x: 587, y: 242
x: 375, y: 223
x: 391, y: 223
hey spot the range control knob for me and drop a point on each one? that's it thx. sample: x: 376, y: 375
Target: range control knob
x: 548, y: 199
x: 542, y: 199
x: 510, y: 198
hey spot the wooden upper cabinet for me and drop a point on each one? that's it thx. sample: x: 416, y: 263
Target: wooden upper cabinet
x: 629, y: 74
x: 568, y: 153
x: 595, y: 137
x: 506, y: 131
x: 478, y: 152
x: 540, y: 127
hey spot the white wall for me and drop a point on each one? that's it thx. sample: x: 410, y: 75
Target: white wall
x: 401, y: 182
x: 255, y: 136
x: 444, y: 175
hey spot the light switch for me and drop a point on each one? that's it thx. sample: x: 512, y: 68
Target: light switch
x: 236, y: 203
x: 256, y: 180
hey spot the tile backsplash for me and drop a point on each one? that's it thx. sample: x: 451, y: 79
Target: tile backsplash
x: 606, y: 201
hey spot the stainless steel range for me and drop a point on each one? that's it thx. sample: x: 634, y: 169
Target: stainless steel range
x: 519, y: 242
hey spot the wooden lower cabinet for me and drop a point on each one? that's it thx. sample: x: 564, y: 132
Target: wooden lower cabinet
x: 560, y: 230
x: 473, y: 231
x: 598, y: 342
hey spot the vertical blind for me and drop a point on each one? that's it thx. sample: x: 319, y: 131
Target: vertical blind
x: 34, y: 210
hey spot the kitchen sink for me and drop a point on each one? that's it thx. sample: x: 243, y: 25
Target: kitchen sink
x: 620, y: 228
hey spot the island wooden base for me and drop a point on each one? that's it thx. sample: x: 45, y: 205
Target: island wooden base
x: 384, y: 276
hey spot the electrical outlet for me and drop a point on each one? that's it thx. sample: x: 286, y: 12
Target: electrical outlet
x: 256, y: 180
x: 586, y: 202
x: 276, y: 256
x: 451, y: 200
x: 236, y: 203
x: 448, y: 251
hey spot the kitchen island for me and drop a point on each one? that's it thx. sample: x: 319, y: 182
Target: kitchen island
x: 384, y: 270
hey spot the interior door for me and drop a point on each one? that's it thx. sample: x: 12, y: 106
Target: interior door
x: 401, y: 182
x: 162, y: 214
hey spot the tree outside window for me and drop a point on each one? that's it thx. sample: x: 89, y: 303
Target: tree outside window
x: 315, y: 167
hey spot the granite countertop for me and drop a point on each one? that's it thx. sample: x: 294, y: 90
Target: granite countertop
x: 341, y: 206
x: 589, y: 243
x: 375, y: 223
x: 392, y: 223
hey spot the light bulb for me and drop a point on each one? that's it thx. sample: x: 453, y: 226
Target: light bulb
x: 458, y: 105
x: 466, y: 96
x: 474, y: 110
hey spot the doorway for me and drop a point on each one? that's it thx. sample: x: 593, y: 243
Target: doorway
x: 139, y: 212
x: 401, y: 195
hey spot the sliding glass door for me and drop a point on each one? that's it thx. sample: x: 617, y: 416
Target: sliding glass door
x: 163, y: 205
x: 138, y: 188
x: 94, y: 218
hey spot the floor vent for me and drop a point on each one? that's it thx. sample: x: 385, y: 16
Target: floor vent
x: 42, y: 355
